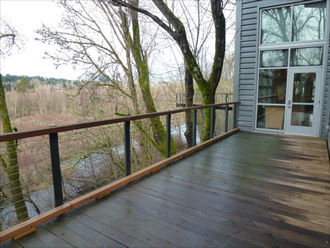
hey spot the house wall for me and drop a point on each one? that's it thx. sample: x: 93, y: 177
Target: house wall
x: 328, y: 142
x: 246, y: 57
x: 326, y: 110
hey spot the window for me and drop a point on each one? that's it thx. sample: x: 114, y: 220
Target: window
x: 271, y: 94
x: 271, y: 117
x: 302, y: 115
x: 303, y: 22
x: 275, y: 58
x: 309, y: 22
x: 272, y: 86
x: 306, y: 56
x: 304, y: 88
x: 276, y: 25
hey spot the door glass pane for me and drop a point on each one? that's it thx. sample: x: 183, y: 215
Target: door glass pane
x: 309, y: 21
x: 272, y: 86
x: 270, y: 117
x: 304, y: 87
x: 302, y: 115
x: 274, y: 58
x: 276, y: 25
x: 306, y: 56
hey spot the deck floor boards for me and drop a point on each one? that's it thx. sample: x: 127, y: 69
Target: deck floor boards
x: 249, y: 190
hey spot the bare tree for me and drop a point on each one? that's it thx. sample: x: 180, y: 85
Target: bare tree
x: 9, y: 38
x: 95, y: 35
x: 176, y: 29
x: 198, y: 33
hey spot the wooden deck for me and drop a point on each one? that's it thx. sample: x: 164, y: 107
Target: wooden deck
x: 249, y: 190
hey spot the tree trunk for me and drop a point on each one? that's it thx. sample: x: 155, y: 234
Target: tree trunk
x: 11, y: 167
x: 176, y: 29
x: 208, y: 98
x: 129, y: 72
x: 189, y: 101
x: 144, y: 83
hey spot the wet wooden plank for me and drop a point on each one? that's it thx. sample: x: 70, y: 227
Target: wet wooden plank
x: 114, y: 221
x: 248, y: 190
x: 108, y: 229
x: 10, y: 244
x: 97, y: 239
x: 144, y: 223
x: 205, y: 224
x: 50, y: 239
x: 247, y: 229
x: 226, y: 207
x: 277, y: 185
x: 32, y: 241
x: 73, y: 238
x: 261, y: 194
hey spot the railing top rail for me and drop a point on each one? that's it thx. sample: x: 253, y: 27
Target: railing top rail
x: 220, y: 93
x: 88, y: 124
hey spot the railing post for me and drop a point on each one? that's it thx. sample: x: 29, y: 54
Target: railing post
x: 127, y: 147
x: 56, y: 170
x: 226, y: 115
x: 168, y: 136
x: 235, y: 116
x: 194, y: 125
x: 212, y: 122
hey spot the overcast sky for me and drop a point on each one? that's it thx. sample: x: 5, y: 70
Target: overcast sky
x: 27, y: 16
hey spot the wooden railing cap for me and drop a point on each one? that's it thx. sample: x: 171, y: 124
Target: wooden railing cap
x: 89, y: 124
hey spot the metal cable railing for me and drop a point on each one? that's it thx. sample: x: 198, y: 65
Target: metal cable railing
x: 44, y: 168
x: 198, y: 99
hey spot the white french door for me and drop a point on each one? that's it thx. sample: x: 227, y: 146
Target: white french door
x: 303, y: 101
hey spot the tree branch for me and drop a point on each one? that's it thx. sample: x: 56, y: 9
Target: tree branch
x: 220, y: 41
x: 143, y: 11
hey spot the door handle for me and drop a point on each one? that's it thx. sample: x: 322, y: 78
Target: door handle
x: 289, y: 103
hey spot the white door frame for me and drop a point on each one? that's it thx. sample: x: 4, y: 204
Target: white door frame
x: 302, y: 130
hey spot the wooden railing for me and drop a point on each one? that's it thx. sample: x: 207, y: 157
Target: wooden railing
x: 61, y: 207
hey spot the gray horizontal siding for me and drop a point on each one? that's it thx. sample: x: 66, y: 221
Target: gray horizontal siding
x: 247, y: 64
x: 252, y: 32
x: 251, y: 4
x: 251, y: 10
x: 326, y: 110
x: 251, y: 21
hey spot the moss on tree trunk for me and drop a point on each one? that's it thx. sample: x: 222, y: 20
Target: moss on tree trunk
x: 207, y: 99
x: 141, y: 62
x: 11, y: 166
x: 176, y: 30
x: 189, y: 101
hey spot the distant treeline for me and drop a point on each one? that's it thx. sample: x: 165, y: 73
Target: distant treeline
x: 13, y: 78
